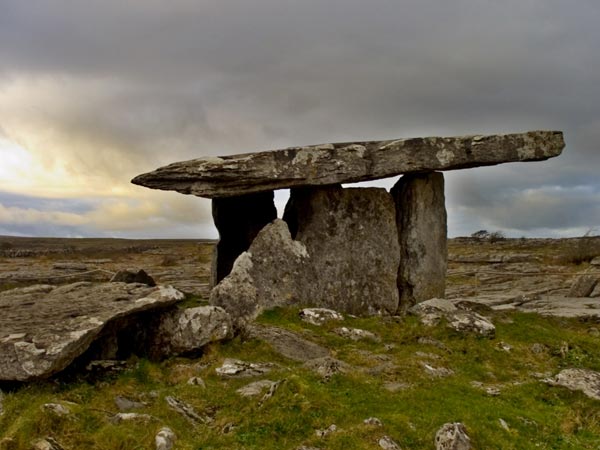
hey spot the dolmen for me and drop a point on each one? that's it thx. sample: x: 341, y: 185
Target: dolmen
x: 362, y: 250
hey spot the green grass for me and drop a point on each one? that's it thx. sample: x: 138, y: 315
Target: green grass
x: 538, y: 416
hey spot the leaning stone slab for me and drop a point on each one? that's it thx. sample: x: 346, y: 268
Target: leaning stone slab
x: 43, y: 330
x: 326, y: 164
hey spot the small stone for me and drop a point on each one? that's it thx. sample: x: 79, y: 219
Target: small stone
x: 187, y: 411
x: 437, y: 372
x: 124, y: 404
x: 396, y: 387
x: 235, y: 368
x: 327, y: 431
x: 130, y: 417
x: 165, y: 439
x: 503, y: 424
x: 48, y: 443
x: 387, y: 443
x: 492, y: 391
x: 255, y: 388
x: 504, y: 346
x: 538, y: 349
x: 584, y: 380
x: 228, y: 428
x: 287, y: 343
x: 57, y: 409
x: 434, y: 305
x: 452, y: 436
x: 327, y: 367
x: 197, y: 381
x: 471, y: 322
x: 373, y: 421
x: 133, y: 276
x: 355, y: 334
x: 318, y: 316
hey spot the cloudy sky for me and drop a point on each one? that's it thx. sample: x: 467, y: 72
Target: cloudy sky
x: 93, y: 93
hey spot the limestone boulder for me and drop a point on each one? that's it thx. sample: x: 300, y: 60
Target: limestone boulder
x: 271, y: 273
x: 43, y: 330
x: 352, y: 242
x: 452, y: 436
x: 584, y: 285
x: 422, y: 232
x: 183, y: 331
x: 584, y: 380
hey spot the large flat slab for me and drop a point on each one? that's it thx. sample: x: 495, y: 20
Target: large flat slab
x: 349, y: 162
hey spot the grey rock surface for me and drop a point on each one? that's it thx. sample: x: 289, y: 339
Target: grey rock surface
x: 42, y: 331
x: 387, y: 443
x: 422, y: 232
x: 165, y: 439
x: 318, y: 316
x: 124, y: 404
x: 255, y: 388
x: 327, y: 164
x: 187, y: 411
x: 234, y: 368
x: 238, y: 220
x: 452, y: 436
x: 352, y: 242
x: 584, y: 380
x: 133, y: 276
x: 355, y: 334
x: 271, y: 273
x: 584, y: 285
x: 186, y: 330
x: 471, y: 322
x: 287, y: 343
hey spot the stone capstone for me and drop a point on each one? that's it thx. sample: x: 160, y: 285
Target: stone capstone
x: 187, y: 330
x: 238, y: 220
x: 351, y: 239
x: 422, y: 232
x: 349, y: 162
x: 43, y: 330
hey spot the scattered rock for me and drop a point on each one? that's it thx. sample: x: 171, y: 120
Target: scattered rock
x: 373, y: 421
x: 133, y: 276
x: 387, y: 443
x: 124, y: 404
x: 425, y: 340
x: 318, y: 316
x: 228, y: 428
x: 433, y: 306
x: 427, y: 355
x: 187, y: 411
x: 255, y: 388
x: 504, y: 346
x: 421, y: 222
x: 583, y: 285
x: 131, y: 417
x: 327, y: 431
x: 287, y: 343
x: 437, y: 372
x: 165, y: 439
x: 187, y: 330
x: 234, y: 368
x: 471, y: 322
x: 197, y: 381
x: 271, y: 392
x: 355, y: 334
x: 452, y: 436
x: 48, y: 443
x: 396, y: 387
x: 42, y: 332
x: 503, y: 424
x: 327, y: 367
x: 584, y: 380
x: 56, y: 409
x: 538, y: 349
x: 71, y: 266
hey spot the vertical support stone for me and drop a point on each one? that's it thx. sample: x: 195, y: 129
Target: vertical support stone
x: 238, y: 220
x: 422, y: 234
x: 352, y: 242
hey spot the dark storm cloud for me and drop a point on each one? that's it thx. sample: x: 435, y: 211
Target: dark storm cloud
x: 128, y: 86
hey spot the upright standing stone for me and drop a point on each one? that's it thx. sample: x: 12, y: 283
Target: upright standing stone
x: 421, y: 220
x: 238, y: 219
x: 351, y: 237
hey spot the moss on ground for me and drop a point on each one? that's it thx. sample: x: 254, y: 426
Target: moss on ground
x: 538, y: 416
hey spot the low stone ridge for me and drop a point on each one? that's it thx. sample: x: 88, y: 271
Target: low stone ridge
x: 325, y: 164
x: 44, y: 328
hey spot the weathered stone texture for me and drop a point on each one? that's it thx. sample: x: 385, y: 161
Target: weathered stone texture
x: 271, y: 273
x: 422, y: 232
x: 328, y: 164
x: 238, y: 219
x: 352, y: 242
x: 44, y: 328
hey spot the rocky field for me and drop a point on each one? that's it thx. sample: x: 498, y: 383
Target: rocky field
x: 510, y: 361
